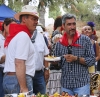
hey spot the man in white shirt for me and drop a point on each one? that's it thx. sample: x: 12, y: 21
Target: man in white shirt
x: 42, y: 69
x: 3, y: 35
x: 20, y: 64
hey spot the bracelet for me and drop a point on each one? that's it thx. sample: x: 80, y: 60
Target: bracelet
x: 78, y: 59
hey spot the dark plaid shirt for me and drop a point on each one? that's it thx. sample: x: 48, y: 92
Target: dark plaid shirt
x: 74, y: 74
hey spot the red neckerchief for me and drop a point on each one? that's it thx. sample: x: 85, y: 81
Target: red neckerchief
x: 14, y: 29
x: 64, y: 39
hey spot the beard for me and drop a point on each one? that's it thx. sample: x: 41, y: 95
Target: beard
x: 72, y: 32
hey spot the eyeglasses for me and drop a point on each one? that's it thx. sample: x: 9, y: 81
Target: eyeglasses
x: 69, y: 49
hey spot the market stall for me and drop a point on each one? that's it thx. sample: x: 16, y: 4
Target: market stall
x: 6, y: 12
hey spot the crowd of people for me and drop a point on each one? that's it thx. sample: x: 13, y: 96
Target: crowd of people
x: 23, y: 48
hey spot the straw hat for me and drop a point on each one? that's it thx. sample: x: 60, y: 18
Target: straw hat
x: 27, y: 9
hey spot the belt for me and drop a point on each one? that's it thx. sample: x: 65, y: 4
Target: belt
x: 10, y: 73
x: 38, y: 71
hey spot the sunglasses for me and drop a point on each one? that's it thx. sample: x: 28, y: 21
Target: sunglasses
x: 69, y: 49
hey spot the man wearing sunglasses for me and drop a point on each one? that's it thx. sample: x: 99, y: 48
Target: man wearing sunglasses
x: 77, y: 55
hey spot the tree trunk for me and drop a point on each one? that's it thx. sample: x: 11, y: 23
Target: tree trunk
x: 42, y: 16
x: 3, y: 1
x: 26, y: 2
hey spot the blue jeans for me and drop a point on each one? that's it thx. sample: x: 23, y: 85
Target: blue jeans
x: 1, y: 82
x: 39, y: 83
x: 85, y: 90
x: 11, y: 85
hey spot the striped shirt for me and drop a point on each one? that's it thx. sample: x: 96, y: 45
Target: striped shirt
x: 74, y: 74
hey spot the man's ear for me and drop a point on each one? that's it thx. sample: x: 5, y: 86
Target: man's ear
x: 23, y: 19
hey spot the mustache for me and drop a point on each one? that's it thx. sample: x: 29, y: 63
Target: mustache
x: 73, y: 30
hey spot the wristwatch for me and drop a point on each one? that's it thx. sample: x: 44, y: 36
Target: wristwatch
x: 78, y: 59
x: 46, y: 68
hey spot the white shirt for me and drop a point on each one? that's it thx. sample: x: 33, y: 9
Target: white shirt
x: 42, y: 49
x: 39, y: 28
x: 46, y: 34
x: 20, y: 47
x: 2, y: 50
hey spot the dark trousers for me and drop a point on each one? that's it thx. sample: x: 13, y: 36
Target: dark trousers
x: 98, y: 66
x: 1, y: 82
x: 39, y: 84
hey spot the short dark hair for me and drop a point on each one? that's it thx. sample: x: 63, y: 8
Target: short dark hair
x: 67, y: 16
x: 6, y: 22
x: 58, y: 22
x: 20, y: 17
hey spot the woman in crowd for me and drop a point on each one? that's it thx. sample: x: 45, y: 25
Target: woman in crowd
x: 89, y: 31
x: 55, y: 70
x: 92, y: 25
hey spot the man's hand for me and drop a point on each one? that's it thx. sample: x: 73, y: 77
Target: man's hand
x: 23, y: 90
x: 2, y: 59
x: 46, y: 75
x: 70, y: 58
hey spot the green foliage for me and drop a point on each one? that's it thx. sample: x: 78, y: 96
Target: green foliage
x: 2, y: 2
x: 54, y: 13
x: 85, y: 10
x: 54, y: 10
x: 45, y: 3
x: 16, y: 6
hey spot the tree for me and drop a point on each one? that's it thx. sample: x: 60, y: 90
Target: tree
x: 83, y: 9
x: 2, y: 1
x: 54, y: 13
x: 52, y: 5
x: 54, y: 10
x: 41, y: 8
x: 26, y: 2
x: 16, y: 5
